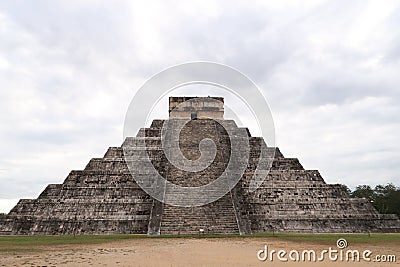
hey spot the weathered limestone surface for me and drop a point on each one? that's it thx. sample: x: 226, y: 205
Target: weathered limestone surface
x: 196, y: 108
x: 104, y: 198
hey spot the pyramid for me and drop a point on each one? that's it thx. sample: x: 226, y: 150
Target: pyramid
x: 106, y: 197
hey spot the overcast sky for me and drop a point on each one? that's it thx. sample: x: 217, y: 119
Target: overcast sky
x: 330, y: 71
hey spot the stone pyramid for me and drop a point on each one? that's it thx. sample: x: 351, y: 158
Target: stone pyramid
x: 105, y: 198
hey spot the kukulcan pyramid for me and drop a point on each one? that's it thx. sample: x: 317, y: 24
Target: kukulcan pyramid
x: 106, y: 197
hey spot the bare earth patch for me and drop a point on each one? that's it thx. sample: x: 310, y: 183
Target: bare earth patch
x: 182, y: 252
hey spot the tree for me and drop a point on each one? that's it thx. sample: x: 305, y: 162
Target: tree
x: 345, y: 188
x: 364, y: 191
x: 385, y: 198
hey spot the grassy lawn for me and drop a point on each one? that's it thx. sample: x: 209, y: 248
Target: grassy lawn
x: 48, y: 240
x: 37, y: 243
x: 307, y: 237
x: 332, y: 238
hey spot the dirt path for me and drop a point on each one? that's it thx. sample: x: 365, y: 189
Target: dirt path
x: 183, y: 252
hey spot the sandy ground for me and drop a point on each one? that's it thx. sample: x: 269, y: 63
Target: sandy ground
x: 182, y: 252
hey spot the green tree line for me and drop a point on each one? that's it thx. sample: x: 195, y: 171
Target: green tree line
x: 385, y: 198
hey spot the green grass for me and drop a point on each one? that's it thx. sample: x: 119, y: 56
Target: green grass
x: 332, y: 238
x: 37, y: 243
x: 16, y: 250
x: 40, y: 240
x: 305, y: 237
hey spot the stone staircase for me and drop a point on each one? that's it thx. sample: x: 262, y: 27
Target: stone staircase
x: 217, y: 217
x: 214, y: 218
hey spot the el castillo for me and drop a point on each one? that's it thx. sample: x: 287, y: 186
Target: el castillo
x: 105, y: 198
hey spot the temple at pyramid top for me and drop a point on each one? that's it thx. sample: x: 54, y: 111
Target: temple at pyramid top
x: 196, y: 107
